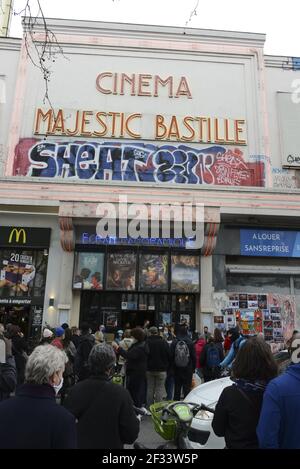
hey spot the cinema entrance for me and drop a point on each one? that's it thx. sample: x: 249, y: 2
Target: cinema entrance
x: 118, y: 310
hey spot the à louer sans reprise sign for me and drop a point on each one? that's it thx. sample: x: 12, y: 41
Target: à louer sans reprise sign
x: 269, y: 243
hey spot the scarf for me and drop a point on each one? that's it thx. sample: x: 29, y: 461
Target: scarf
x: 256, y: 386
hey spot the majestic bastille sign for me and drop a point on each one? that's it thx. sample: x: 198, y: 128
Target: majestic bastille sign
x: 104, y: 123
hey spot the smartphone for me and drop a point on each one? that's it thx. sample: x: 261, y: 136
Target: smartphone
x: 2, y: 351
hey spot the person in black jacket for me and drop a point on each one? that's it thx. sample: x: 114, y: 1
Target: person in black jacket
x: 85, y: 344
x: 8, y: 372
x: 136, y: 366
x: 238, y: 409
x: 104, y: 410
x: 183, y: 373
x: 157, y: 366
x: 32, y: 419
x: 20, y: 351
x: 210, y: 359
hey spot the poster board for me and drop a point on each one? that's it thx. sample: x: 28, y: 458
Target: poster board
x: 271, y: 314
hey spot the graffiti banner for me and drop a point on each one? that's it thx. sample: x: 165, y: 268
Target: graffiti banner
x: 137, y: 162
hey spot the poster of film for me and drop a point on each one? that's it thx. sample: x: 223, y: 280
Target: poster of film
x: 271, y: 314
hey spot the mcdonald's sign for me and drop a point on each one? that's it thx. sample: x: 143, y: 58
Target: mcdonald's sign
x: 23, y: 236
x: 17, y: 233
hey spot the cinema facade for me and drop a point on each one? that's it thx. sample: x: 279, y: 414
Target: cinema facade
x: 159, y: 115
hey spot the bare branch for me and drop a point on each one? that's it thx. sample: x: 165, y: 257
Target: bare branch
x: 193, y: 13
x: 40, y: 53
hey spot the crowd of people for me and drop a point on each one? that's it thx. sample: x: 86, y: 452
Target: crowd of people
x: 65, y: 395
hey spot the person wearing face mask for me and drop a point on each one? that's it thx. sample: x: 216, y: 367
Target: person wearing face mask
x: 104, y: 410
x: 32, y: 419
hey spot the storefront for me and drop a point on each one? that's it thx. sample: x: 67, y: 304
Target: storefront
x: 258, y: 270
x: 129, y: 281
x: 23, y: 272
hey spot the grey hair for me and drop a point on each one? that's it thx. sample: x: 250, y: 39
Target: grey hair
x: 101, y: 359
x: 44, y: 361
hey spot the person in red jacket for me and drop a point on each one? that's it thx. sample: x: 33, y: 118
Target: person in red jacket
x: 59, y: 336
x: 199, y: 346
x: 227, y: 343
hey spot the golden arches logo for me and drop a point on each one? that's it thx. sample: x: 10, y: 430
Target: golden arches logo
x: 17, y: 232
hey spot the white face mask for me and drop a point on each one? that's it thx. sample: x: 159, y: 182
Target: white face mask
x: 57, y: 387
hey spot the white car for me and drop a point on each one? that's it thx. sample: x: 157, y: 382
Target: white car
x: 201, y: 434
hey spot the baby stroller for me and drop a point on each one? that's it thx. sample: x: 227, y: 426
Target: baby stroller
x: 117, y: 377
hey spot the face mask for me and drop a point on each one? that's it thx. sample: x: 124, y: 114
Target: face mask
x: 57, y: 387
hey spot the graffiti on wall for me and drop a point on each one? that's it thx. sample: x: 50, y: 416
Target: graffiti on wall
x: 284, y: 179
x: 139, y: 162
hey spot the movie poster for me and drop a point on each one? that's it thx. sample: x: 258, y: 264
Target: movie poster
x: 185, y: 273
x: 121, y: 271
x: 153, y: 272
x: 166, y: 318
x: 17, y: 273
x: 88, y: 271
x: 185, y: 319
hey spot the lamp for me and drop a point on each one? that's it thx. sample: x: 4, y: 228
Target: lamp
x: 51, y: 302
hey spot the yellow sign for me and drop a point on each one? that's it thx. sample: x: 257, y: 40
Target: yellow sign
x: 17, y: 232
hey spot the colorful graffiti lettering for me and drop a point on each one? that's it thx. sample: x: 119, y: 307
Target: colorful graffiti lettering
x: 214, y: 165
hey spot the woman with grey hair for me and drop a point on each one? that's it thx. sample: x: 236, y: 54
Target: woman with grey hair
x: 104, y: 410
x: 41, y: 423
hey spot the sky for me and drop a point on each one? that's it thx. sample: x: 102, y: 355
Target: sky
x: 278, y: 19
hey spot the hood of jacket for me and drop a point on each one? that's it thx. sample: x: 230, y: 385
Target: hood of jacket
x: 87, y: 338
x: 294, y: 371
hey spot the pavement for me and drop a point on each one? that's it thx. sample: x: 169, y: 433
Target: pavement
x: 148, y: 435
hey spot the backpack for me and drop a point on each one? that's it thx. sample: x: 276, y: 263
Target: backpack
x: 182, y: 354
x: 212, y: 356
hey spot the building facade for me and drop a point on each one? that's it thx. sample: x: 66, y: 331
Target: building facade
x: 150, y: 115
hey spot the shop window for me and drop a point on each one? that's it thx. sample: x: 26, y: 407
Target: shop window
x: 22, y: 273
x: 151, y: 302
x: 185, y: 303
x: 248, y: 283
x: 129, y: 301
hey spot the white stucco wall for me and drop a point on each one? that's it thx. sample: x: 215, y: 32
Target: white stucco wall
x: 9, y: 58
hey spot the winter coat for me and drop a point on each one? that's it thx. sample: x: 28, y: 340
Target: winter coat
x: 199, y: 346
x: 278, y: 425
x: 136, y: 358
x: 8, y: 378
x: 106, y: 419
x: 57, y: 342
x: 32, y: 419
x: 85, y: 345
x: 159, y: 354
x: 192, y: 360
x: 125, y: 344
x: 19, y: 351
x: 236, y: 417
x: 227, y: 344
x: 235, y: 346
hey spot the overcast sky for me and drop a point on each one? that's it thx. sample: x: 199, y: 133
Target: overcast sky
x: 277, y: 18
